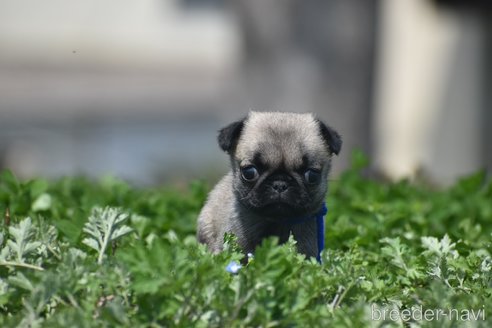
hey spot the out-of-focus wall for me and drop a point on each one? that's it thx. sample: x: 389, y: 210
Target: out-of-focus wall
x: 138, y: 89
x: 121, y: 87
x: 116, y: 34
x: 429, y: 101
x: 311, y: 56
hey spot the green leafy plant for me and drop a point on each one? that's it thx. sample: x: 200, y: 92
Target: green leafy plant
x: 83, y: 253
x: 20, y: 245
x: 105, y: 226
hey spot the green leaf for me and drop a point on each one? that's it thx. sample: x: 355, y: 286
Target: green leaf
x: 37, y: 187
x: 9, y: 180
x: 395, y: 251
x: 105, y: 226
x: 92, y: 243
x: 20, y: 280
x: 441, y: 247
x: 69, y: 229
x: 42, y: 203
x: 22, y: 243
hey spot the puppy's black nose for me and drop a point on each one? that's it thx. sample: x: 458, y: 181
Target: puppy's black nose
x: 280, y: 186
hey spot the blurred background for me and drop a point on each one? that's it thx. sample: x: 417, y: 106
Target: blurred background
x: 138, y: 88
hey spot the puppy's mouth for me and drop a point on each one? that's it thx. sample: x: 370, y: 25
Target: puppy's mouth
x: 281, y: 210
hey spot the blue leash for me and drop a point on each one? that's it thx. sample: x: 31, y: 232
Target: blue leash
x: 320, y: 228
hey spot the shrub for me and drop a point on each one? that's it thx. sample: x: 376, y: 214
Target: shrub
x: 78, y: 253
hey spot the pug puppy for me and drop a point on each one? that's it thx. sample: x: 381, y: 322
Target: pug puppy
x: 279, y: 177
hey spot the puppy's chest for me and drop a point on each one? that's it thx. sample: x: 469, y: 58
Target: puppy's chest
x: 251, y: 235
x: 282, y: 232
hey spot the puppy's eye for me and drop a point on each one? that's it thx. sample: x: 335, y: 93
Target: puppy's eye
x: 312, y: 176
x: 249, y: 173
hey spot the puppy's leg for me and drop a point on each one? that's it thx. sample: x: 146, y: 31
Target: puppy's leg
x: 306, y: 236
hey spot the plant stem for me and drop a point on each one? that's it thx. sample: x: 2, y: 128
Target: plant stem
x: 21, y: 265
x: 106, y: 240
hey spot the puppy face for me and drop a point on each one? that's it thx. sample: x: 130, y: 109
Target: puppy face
x: 280, y: 162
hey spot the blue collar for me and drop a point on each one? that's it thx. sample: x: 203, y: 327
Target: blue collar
x: 320, y: 227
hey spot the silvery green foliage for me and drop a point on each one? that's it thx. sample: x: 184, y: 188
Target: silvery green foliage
x: 42, y: 203
x: 20, y: 244
x: 105, y: 226
x: 439, y: 254
x: 375, y: 258
x: 443, y: 247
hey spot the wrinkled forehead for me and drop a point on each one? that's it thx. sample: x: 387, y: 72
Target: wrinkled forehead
x: 288, y: 143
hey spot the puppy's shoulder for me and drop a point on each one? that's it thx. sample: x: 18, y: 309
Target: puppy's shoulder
x: 221, y: 198
x: 215, y: 216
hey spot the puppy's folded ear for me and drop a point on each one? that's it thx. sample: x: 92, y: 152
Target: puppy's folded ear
x: 331, y: 137
x: 229, y: 135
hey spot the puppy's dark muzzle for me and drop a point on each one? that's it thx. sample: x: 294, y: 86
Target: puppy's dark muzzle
x: 280, y: 190
x: 280, y: 186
